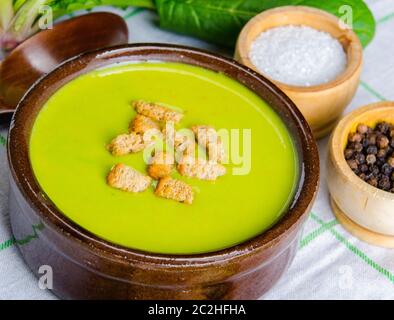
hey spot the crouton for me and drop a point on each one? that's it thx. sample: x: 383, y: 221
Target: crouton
x: 216, y: 151
x: 126, y: 143
x: 142, y: 124
x: 182, y: 143
x: 208, y: 138
x: 127, y: 179
x: 177, y: 190
x: 172, y: 136
x: 200, y: 168
x: 156, y: 111
x: 186, y: 148
x: 161, y: 165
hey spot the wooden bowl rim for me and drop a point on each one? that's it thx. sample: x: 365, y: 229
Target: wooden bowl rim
x: 354, y: 53
x: 22, y: 174
x: 360, y: 231
x: 336, y: 149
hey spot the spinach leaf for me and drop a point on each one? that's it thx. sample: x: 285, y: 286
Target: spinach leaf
x: 220, y: 21
x: 61, y: 7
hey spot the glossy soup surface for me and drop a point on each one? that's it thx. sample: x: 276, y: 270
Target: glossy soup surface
x: 69, y: 158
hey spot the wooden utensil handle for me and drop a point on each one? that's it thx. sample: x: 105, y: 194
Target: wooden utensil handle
x: 5, y: 115
x: 4, y: 108
x: 6, y: 112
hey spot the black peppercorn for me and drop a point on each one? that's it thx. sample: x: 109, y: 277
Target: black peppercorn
x: 360, y: 158
x: 390, y: 161
x: 363, y: 176
x: 370, y: 154
x: 355, y: 137
x: 387, y: 169
x: 372, y: 149
x: 373, y: 182
x: 384, y: 183
x: 352, y: 164
x: 389, y: 150
x: 371, y: 138
x: 381, y: 153
x: 362, y: 128
x: 371, y: 159
x: 383, y: 127
x: 358, y: 147
x: 382, y: 141
x: 349, y: 154
x: 363, y: 168
x: 374, y: 170
x: 380, y: 162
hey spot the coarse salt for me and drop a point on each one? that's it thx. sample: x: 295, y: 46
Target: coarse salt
x: 298, y: 55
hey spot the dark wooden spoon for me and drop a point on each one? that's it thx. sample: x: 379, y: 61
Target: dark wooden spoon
x: 44, y: 51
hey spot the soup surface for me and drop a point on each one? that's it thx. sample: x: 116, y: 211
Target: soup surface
x: 70, y: 160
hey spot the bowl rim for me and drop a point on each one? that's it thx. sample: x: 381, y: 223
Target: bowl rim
x: 355, y: 55
x: 22, y: 173
x: 338, y: 157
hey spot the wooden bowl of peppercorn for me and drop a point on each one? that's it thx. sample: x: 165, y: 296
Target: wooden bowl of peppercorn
x: 360, y: 173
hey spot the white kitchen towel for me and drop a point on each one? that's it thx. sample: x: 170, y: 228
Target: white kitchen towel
x: 330, y: 263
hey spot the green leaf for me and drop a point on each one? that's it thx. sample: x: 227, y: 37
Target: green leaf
x: 6, y: 13
x: 61, y: 7
x: 220, y: 21
x: 18, y: 4
x: 25, y: 18
x: 19, y: 18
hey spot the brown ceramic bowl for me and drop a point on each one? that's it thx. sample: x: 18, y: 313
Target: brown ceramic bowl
x: 87, y: 267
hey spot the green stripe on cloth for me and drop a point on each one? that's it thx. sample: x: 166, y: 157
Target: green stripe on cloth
x: 11, y: 242
x: 133, y: 12
x: 3, y: 140
x: 316, y: 233
x: 34, y: 235
x: 304, y: 242
x: 386, y: 18
x: 356, y: 251
x: 372, y: 91
x: 7, y: 244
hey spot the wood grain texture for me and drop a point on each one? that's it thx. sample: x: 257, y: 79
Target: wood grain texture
x: 376, y: 239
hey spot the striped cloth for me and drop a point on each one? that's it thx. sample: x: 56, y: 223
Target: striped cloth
x: 330, y: 264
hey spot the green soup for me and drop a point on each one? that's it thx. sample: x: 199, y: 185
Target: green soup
x: 70, y: 161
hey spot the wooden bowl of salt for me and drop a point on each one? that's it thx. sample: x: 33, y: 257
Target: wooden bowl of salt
x: 310, y: 67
